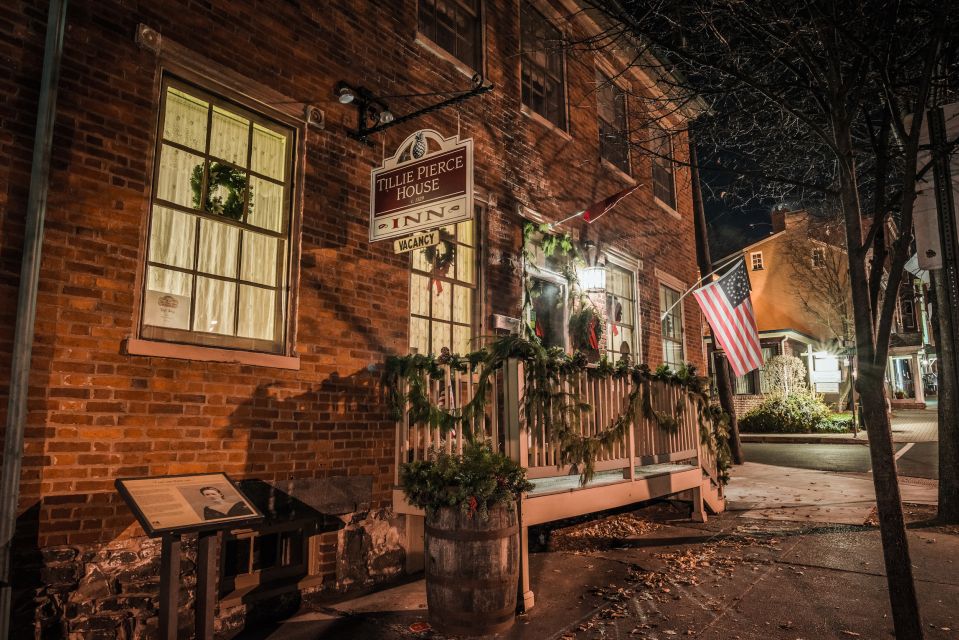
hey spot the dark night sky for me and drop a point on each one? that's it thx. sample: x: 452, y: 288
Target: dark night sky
x: 731, y: 223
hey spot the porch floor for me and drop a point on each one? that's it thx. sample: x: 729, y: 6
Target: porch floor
x: 558, y: 484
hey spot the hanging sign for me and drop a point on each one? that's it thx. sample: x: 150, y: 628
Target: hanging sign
x: 416, y: 241
x: 427, y: 184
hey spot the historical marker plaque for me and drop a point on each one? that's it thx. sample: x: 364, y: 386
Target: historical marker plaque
x: 183, y: 503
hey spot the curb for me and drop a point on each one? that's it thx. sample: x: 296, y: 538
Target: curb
x: 800, y: 439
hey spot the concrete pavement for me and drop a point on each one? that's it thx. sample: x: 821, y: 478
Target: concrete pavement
x: 790, y: 560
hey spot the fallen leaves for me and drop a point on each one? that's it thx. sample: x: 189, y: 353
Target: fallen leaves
x: 600, y: 534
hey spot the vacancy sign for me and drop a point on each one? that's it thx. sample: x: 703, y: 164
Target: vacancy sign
x: 427, y: 184
x: 416, y: 241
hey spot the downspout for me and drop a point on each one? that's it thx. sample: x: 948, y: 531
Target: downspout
x: 27, y: 301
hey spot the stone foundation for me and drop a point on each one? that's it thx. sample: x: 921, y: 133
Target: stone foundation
x: 110, y: 592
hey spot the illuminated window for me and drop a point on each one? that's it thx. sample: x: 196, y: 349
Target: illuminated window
x: 672, y: 327
x: 756, y: 260
x: 543, y: 66
x: 441, y: 295
x: 818, y: 257
x: 620, y: 313
x: 455, y: 26
x: 219, y: 225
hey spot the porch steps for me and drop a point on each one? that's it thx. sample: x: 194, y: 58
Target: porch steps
x: 713, y: 496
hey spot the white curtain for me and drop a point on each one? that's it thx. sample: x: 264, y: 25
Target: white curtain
x: 220, y: 306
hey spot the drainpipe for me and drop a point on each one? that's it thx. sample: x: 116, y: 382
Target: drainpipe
x: 27, y: 300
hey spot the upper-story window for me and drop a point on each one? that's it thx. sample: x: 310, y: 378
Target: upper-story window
x: 661, y: 145
x: 671, y: 309
x: 756, y: 261
x: 456, y: 26
x: 818, y: 257
x: 613, y: 140
x: 218, y: 256
x: 543, y: 66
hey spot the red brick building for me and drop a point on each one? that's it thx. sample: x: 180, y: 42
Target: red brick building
x: 272, y: 376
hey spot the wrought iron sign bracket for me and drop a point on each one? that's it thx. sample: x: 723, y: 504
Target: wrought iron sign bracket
x: 374, y: 116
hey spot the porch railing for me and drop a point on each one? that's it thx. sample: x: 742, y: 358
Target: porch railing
x: 504, y: 423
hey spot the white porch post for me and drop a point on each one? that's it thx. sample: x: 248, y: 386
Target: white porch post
x: 517, y: 441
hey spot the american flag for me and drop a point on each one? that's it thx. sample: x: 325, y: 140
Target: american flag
x: 729, y: 312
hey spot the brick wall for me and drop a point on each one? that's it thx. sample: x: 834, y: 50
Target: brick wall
x: 97, y: 413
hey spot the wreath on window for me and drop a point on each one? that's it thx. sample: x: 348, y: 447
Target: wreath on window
x: 585, y: 328
x: 440, y: 257
x: 222, y: 177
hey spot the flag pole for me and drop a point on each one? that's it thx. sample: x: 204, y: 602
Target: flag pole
x: 575, y: 215
x: 698, y: 282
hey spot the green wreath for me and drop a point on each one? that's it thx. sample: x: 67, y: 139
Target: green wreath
x: 221, y: 175
x: 586, y: 328
x: 441, y: 261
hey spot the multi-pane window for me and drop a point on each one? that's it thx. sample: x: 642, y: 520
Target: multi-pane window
x: 661, y: 146
x: 258, y: 557
x: 818, y: 257
x: 219, y: 225
x: 753, y: 382
x: 756, y: 260
x: 543, y: 72
x: 671, y: 310
x: 620, y: 313
x: 442, y: 292
x: 455, y: 26
x: 613, y: 141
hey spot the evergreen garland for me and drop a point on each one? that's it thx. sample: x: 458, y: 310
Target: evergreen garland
x: 546, y: 397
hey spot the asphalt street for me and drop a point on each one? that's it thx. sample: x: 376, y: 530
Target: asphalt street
x: 919, y: 459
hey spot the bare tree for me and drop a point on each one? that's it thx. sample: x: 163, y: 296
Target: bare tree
x: 808, y: 101
x: 815, y: 252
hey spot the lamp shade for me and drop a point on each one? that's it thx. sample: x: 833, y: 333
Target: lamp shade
x: 593, y: 278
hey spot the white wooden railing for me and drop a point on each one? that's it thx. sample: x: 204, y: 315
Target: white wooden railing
x: 504, y: 423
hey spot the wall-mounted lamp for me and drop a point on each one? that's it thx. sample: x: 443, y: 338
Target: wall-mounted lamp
x: 593, y: 278
x: 373, y: 115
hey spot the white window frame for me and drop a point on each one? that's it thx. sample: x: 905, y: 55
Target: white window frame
x: 754, y: 264
x: 674, y: 283
x: 633, y: 267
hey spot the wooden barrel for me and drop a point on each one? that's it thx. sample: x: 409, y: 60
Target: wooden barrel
x: 472, y: 571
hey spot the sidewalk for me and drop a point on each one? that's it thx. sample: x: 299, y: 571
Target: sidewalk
x: 791, y: 559
x: 908, y: 425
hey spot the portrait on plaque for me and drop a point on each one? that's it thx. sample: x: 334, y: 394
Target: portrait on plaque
x: 186, y: 502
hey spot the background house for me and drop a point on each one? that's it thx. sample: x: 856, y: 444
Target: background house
x: 801, y: 301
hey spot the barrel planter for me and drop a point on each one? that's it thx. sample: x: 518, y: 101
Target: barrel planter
x: 472, y: 570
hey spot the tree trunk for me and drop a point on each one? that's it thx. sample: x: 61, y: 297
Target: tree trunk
x: 723, y: 379
x: 870, y: 384
x: 948, y: 420
x: 725, y: 387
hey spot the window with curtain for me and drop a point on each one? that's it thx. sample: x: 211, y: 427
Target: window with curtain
x: 672, y: 327
x: 620, y: 313
x: 442, y: 296
x: 455, y: 26
x: 611, y: 107
x: 216, y: 270
x: 543, y: 72
x: 661, y: 145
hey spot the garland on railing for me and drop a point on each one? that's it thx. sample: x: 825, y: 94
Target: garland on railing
x: 546, y: 398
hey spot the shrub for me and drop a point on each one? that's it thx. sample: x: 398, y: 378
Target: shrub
x: 785, y: 375
x: 794, y: 413
x: 474, y: 481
